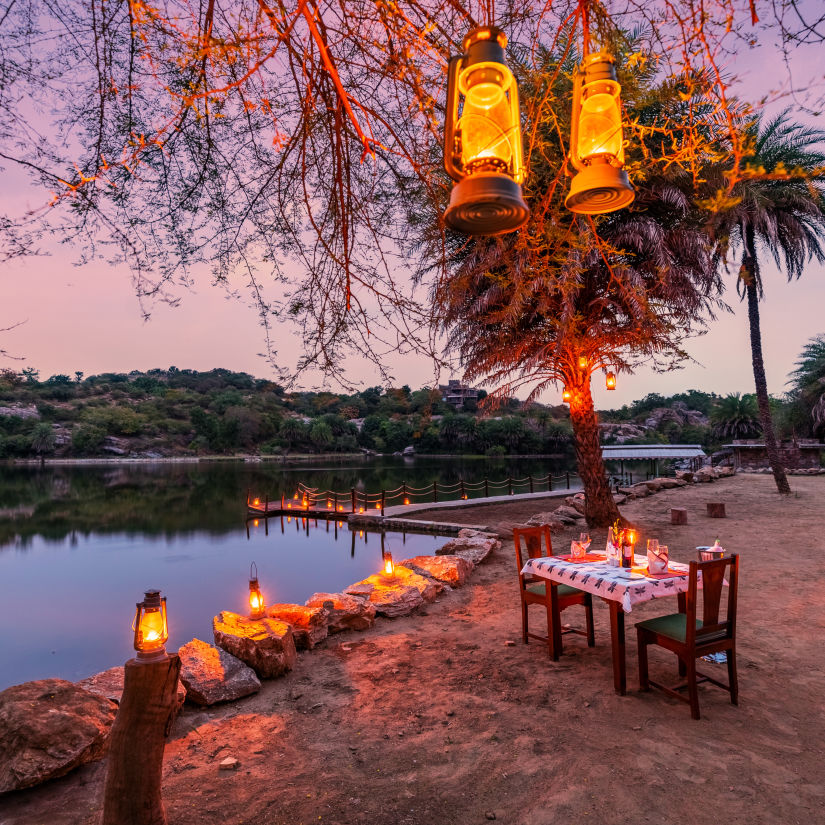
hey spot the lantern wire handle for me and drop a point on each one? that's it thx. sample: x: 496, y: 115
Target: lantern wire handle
x: 584, y: 11
x: 252, y: 567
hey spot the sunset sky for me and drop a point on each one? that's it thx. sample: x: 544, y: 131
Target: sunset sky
x: 87, y: 318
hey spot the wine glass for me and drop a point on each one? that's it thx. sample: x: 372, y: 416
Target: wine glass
x: 653, y: 545
x: 584, y: 540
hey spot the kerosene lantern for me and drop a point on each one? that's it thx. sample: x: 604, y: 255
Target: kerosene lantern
x: 151, y: 631
x: 257, y: 607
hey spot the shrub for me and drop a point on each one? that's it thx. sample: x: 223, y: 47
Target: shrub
x: 87, y: 438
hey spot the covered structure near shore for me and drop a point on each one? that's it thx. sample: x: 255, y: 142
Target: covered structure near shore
x: 653, y: 453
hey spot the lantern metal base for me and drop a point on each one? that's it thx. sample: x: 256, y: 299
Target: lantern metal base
x: 486, y: 204
x: 598, y: 188
x: 145, y: 656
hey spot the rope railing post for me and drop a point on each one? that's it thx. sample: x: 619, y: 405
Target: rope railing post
x: 404, y: 492
x: 462, y: 493
x: 568, y: 479
x: 335, y: 502
x: 509, y: 485
x: 435, y: 491
x: 266, y: 504
x: 352, y: 497
x: 383, y: 501
x: 486, y: 487
x: 530, y: 479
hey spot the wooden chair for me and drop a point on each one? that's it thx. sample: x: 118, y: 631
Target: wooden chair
x: 553, y: 596
x: 690, y: 638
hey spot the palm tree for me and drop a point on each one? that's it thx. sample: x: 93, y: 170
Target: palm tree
x: 809, y: 382
x: 782, y: 213
x: 736, y: 416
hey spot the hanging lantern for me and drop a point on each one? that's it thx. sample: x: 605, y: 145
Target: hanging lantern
x: 151, y: 631
x: 610, y: 381
x: 582, y: 362
x: 406, y: 501
x: 566, y: 395
x: 256, y: 502
x: 482, y: 145
x: 389, y: 567
x: 257, y: 608
x: 596, y: 145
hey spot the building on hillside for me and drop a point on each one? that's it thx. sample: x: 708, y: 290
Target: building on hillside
x: 799, y: 454
x: 456, y: 393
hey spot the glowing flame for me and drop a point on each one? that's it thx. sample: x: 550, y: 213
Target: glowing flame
x: 389, y: 567
x: 256, y: 502
x: 406, y: 501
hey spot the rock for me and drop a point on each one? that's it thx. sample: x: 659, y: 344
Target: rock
x: 309, y: 624
x: 725, y: 472
x: 452, y: 570
x: 619, y: 498
x: 470, y: 533
x: 396, y: 595
x: 684, y: 475
x: 705, y: 475
x: 266, y: 645
x: 344, y: 612
x: 564, y: 512
x: 653, y: 485
x: 109, y: 684
x: 670, y: 483
x: 641, y: 490
x: 49, y: 727
x: 229, y: 764
x: 408, y: 450
x: 212, y: 675
x: 541, y: 519
x: 472, y: 549
x: 576, y: 502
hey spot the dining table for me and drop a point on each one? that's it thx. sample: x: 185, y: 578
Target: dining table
x: 620, y: 587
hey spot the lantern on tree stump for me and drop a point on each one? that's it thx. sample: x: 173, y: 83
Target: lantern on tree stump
x: 596, y: 143
x: 257, y: 607
x: 482, y: 143
x: 150, y: 627
x: 610, y: 381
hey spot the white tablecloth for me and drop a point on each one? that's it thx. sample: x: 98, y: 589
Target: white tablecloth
x: 608, y: 582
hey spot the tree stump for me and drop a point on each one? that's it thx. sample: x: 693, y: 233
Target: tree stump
x: 716, y: 509
x: 132, y: 794
x: 678, y: 515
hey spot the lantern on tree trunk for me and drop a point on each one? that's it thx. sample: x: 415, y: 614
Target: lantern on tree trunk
x: 582, y: 362
x: 596, y: 144
x: 257, y: 607
x: 150, y: 627
x: 566, y: 396
x: 482, y: 143
x: 610, y: 381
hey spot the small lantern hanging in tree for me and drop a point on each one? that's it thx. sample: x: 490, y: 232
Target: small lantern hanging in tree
x: 482, y: 144
x: 582, y: 362
x: 151, y: 631
x: 610, y: 381
x: 566, y: 396
x: 596, y: 143
x: 257, y: 607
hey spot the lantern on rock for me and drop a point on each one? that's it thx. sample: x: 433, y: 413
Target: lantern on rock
x: 482, y: 138
x: 389, y: 566
x: 257, y: 607
x: 610, y: 381
x: 596, y: 143
x: 151, y: 631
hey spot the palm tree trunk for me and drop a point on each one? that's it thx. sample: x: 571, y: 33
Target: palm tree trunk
x: 749, y: 264
x: 600, y: 509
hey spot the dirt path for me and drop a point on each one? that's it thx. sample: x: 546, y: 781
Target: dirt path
x: 434, y: 719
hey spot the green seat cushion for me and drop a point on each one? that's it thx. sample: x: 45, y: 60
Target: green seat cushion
x: 673, y: 626
x: 563, y: 589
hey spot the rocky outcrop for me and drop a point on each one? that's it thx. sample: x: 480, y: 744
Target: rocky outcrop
x: 398, y: 594
x: 266, y: 645
x: 451, y: 570
x: 49, y: 727
x: 619, y: 432
x: 212, y: 675
x: 109, y: 684
x: 474, y: 549
x: 344, y: 612
x: 565, y: 512
x: 309, y: 624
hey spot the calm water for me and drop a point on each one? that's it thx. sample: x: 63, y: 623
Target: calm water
x: 79, y: 545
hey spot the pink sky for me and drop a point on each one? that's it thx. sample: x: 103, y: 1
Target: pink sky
x: 87, y: 318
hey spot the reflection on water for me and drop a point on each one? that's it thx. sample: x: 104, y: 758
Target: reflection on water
x: 67, y: 605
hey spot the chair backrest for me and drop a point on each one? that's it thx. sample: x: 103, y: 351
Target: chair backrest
x: 714, y: 574
x: 532, y: 538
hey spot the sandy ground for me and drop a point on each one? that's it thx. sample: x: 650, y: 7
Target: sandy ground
x: 434, y: 719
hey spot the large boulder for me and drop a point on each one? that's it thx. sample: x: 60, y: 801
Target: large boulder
x: 344, y: 612
x: 474, y: 549
x: 452, y: 570
x: 472, y: 533
x: 266, y: 645
x: 49, y: 727
x: 212, y: 675
x: 540, y: 519
x: 670, y: 483
x: 398, y: 594
x: 685, y: 475
x: 109, y: 683
x: 565, y: 512
x: 309, y: 624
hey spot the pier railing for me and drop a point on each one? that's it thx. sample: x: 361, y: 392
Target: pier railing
x: 360, y: 501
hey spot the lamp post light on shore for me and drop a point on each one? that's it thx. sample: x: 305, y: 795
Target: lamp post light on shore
x: 132, y: 791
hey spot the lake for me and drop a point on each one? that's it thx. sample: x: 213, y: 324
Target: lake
x: 80, y: 544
